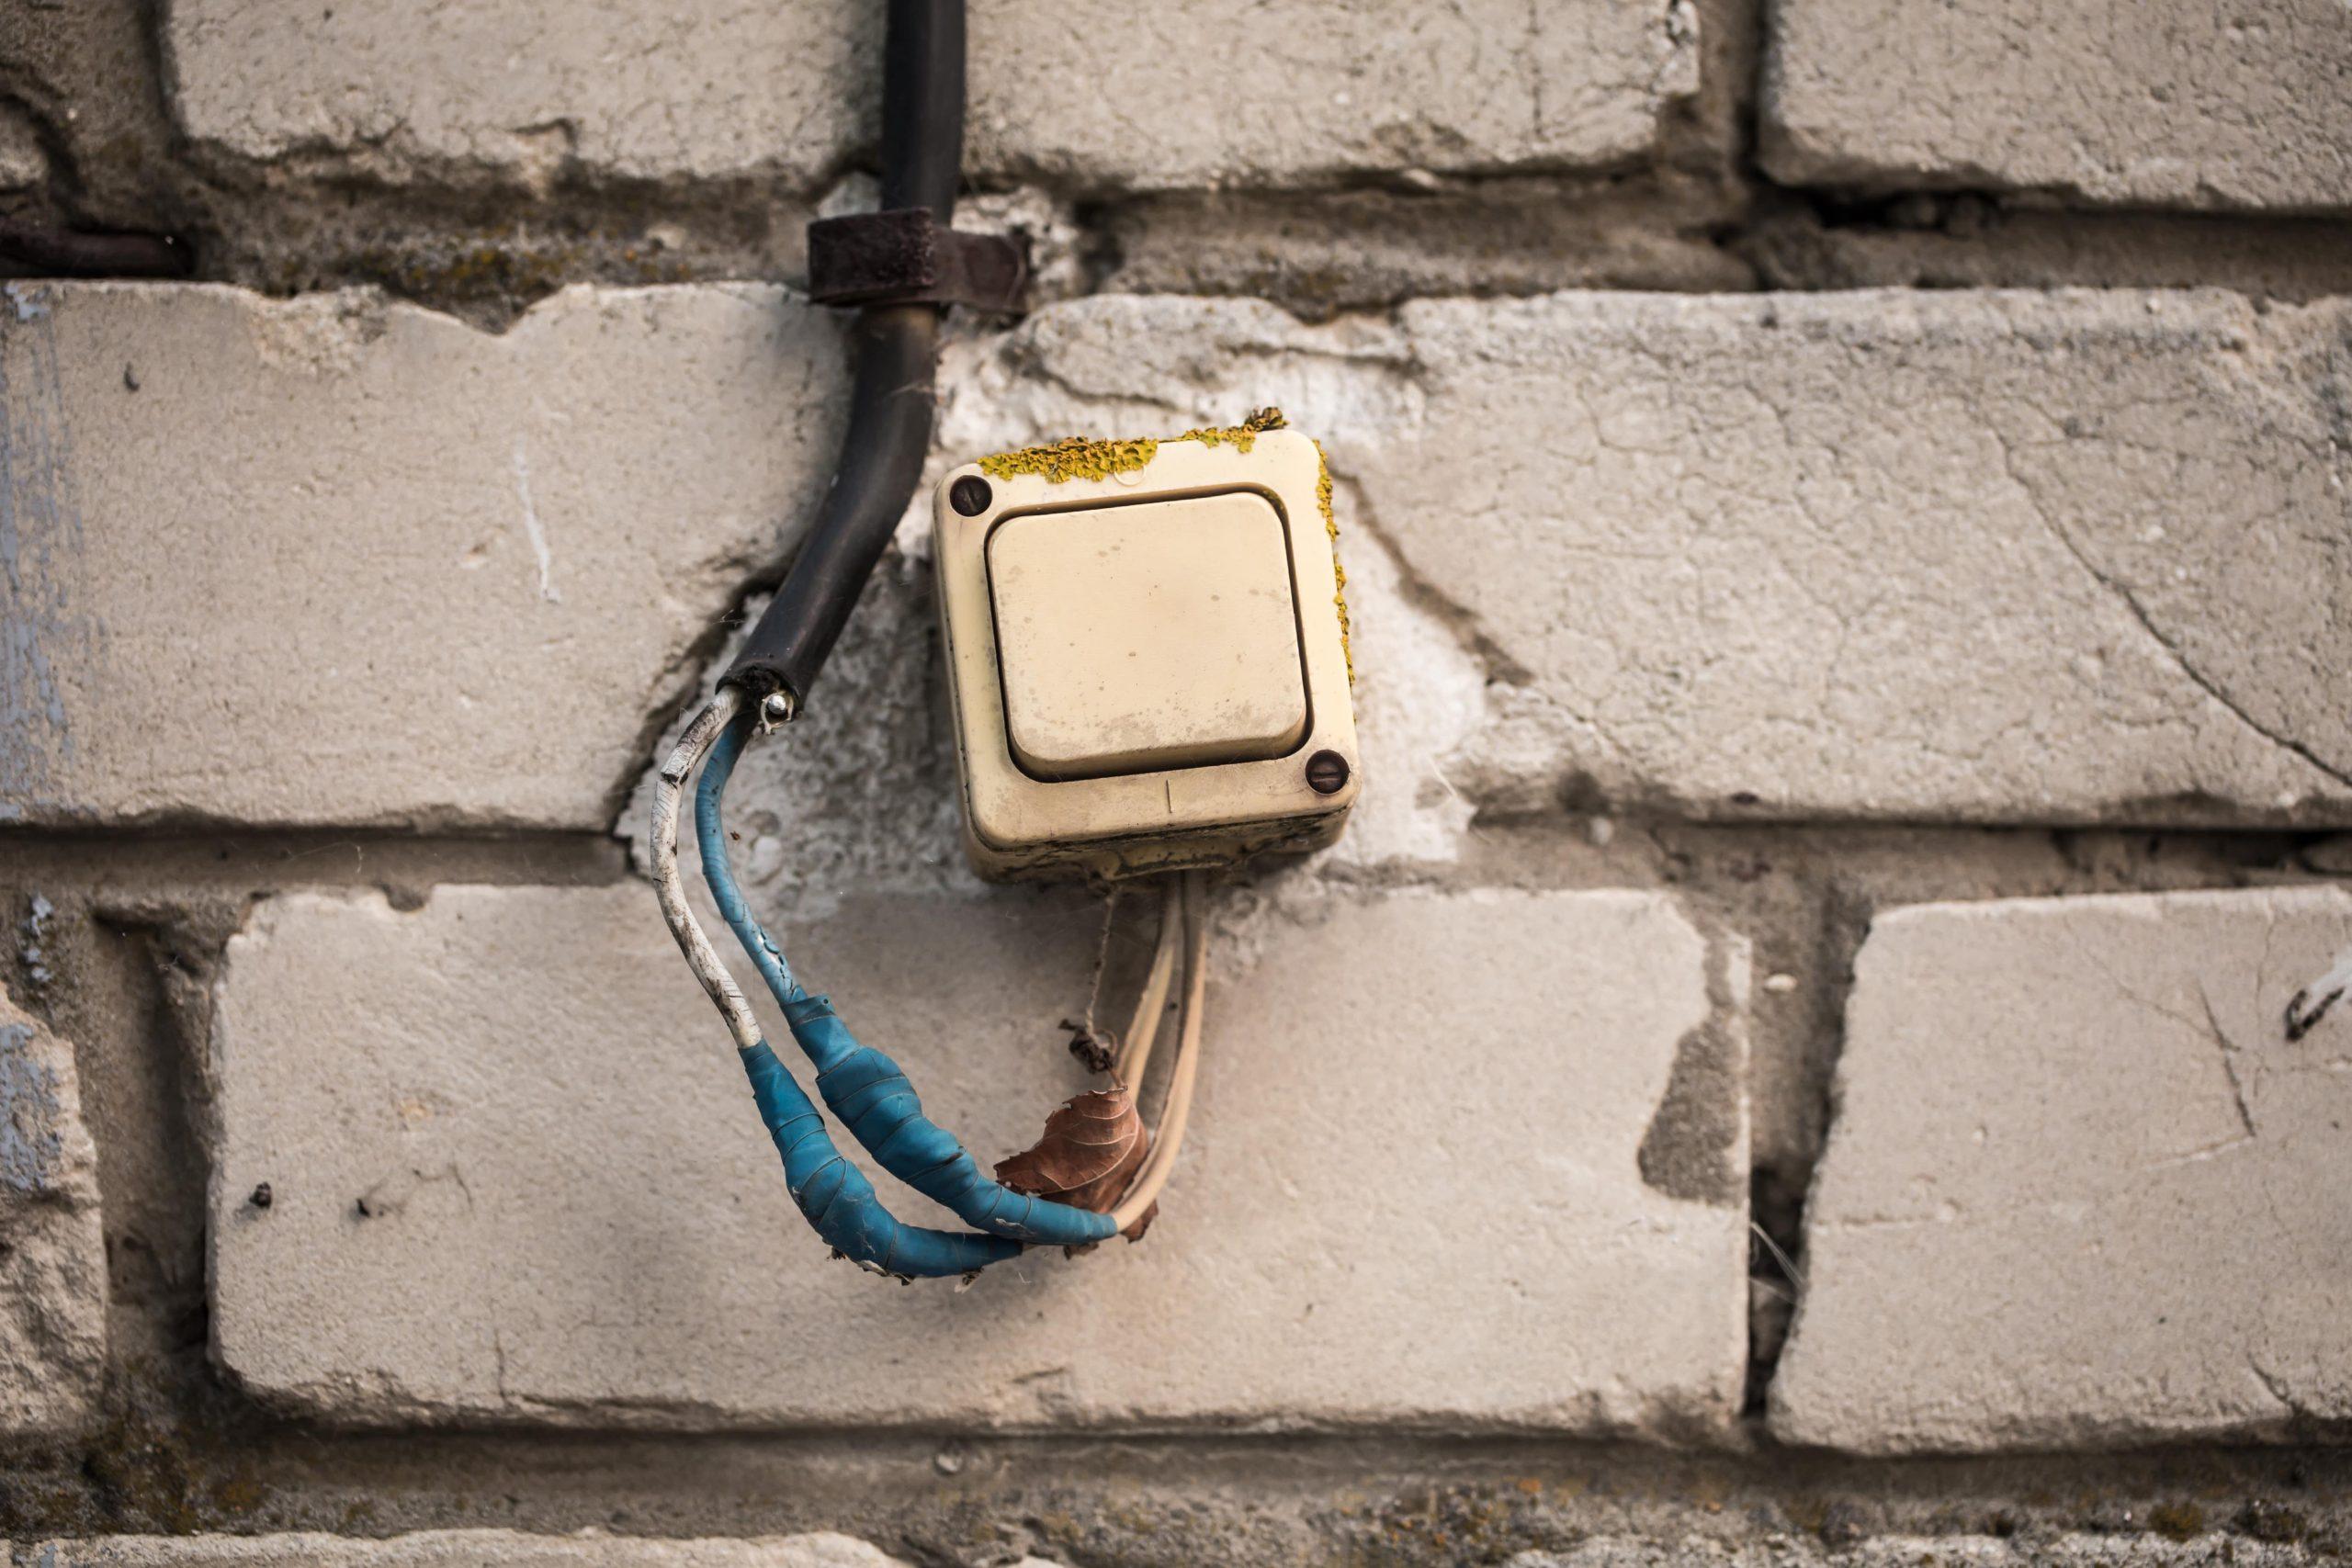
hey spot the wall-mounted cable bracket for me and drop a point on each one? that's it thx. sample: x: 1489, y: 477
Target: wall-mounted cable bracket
x: 910, y: 257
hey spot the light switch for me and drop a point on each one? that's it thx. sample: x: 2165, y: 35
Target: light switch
x: 1147, y: 654
x: 1157, y: 635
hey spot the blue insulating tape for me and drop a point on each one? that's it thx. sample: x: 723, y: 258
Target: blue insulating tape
x: 867, y: 1091
x: 838, y: 1200
x: 710, y: 833
x: 865, y: 1088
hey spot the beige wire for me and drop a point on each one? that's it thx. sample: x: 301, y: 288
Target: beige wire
x: 1135, y: 1046
x: 1169, y: 1136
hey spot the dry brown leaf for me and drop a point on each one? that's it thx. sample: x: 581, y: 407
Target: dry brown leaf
x: 1093, y: 1148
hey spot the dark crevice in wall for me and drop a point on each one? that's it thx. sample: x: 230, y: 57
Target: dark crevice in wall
x: 1780, y: 1182
x: 155, y: 1236
x: 1806, y: 895
x: 1810, y: 240
x: 1775, y: 1278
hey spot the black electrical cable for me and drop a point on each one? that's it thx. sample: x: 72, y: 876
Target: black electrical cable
x: 60, y: 252
x: 896, y: 349
x: 923, y: 106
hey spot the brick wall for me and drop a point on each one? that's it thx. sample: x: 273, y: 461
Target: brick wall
x: 1846, y: 510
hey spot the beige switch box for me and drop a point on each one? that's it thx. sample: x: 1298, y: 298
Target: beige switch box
x: 1147, y: 654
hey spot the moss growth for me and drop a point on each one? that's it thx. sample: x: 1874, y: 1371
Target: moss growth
x: 2176, y: 1521
x: 1477, y: 1523
x: 144, y: 1476
x: 2273, y: 1522
x: 461, y: 272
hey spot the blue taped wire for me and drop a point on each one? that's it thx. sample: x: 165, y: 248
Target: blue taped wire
x: 862, y: 1085
x: 710, y: 833
x: 838, y: 1200
x: 871, y: 1095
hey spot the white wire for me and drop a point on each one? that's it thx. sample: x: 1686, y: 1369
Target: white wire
x: 1189, y: 898
x: 701, y: 957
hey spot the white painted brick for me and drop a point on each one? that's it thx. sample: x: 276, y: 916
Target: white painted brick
x: 1090, y: 93
x: 1413, y: 1193
x: 1997, y: 557
x: 2180, y: 103
x: 53, y: 1247
x: 336, y: 560
x: 2080, y: 1188
x: 459, y: 1549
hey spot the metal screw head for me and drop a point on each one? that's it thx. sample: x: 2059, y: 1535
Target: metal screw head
x: 1327, y: 772
x: 970, y: 495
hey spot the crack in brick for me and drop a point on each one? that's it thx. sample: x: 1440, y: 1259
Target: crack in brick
x: 2229, y: 1060
x: 2123, y: 594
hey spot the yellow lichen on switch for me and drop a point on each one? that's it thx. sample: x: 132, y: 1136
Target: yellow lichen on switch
x: 1339, y: 572
x: 1072, y: 457
x: 1240, y: 438
x: 1077, y: 457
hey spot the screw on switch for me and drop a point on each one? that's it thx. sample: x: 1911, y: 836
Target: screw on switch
x: 1327, y: 772
x: 970, y: 495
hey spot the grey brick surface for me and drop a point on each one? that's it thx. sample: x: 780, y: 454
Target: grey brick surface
x: 1091, y: 95
x: 2081, y: 1190
x: 1872, y: 482
x: 1998, y: 557
x: 1414, y: 1193
x: 337, y: 560
x: 2172, y: 103
x: 1991, y: 557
